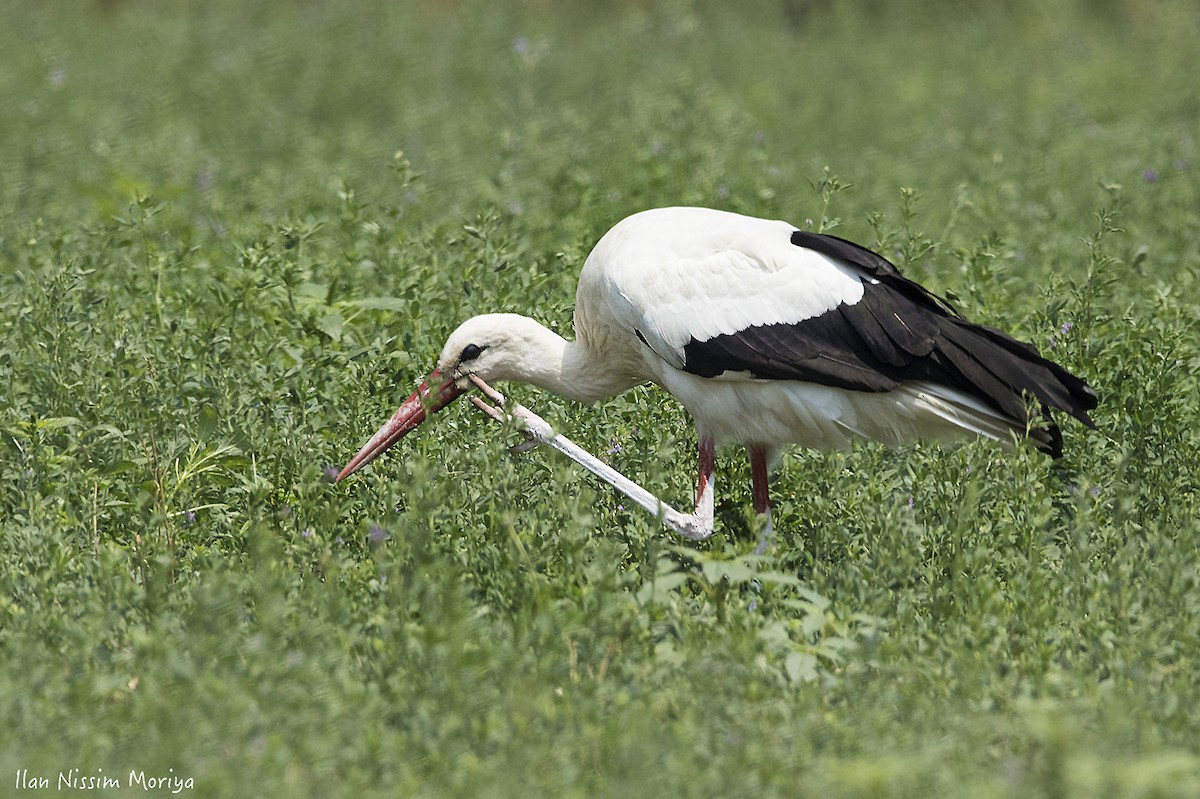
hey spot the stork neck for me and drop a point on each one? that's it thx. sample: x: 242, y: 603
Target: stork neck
x: 572, y: 369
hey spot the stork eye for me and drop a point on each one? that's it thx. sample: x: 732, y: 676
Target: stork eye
x: 471, y: 352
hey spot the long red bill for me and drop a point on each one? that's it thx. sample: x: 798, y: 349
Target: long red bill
x: 432, y: 395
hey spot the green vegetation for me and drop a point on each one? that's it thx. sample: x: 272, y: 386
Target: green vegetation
x: 234, y: 234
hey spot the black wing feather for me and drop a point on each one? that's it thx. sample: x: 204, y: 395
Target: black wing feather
x: 899, y: 331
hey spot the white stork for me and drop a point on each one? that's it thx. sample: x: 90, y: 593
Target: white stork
x: 768, y: 335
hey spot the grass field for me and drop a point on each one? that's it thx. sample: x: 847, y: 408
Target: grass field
x: 234, y: 234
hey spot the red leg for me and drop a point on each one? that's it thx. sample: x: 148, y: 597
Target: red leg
x: 707, y: 450
x: 758, y: 477
x: 762, y: 495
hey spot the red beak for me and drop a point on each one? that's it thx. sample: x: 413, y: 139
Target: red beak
x: 425, y: 400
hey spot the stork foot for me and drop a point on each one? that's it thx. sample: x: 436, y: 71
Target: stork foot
x: 493, y: 407
x: 765, y: 536
x: 537, y: 431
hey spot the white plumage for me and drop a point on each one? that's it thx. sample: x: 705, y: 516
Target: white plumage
x: 683, y: 273
x: 767, y: 335
x: 825, y: 418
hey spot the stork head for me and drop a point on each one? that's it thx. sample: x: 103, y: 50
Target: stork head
x: 492, y: 346
x: 495, y: 346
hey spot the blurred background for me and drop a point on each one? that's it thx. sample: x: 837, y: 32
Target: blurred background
x: 227, y: 108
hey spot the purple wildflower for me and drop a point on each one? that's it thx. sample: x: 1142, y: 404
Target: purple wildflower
x: 204, y: 180
x: 1150, y: 175
x: 190, y: 517
x: 329, y: 475
x: 376, y: 535
x: 306, y: 533
x: 911, y: 503
x: 615, y: 447
x: 1066, y: 327
x: 1095, y: 491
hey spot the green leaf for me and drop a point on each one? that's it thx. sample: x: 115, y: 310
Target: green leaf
x: 57, y: 422
x: 379, y: 304
x: 331, y: 325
